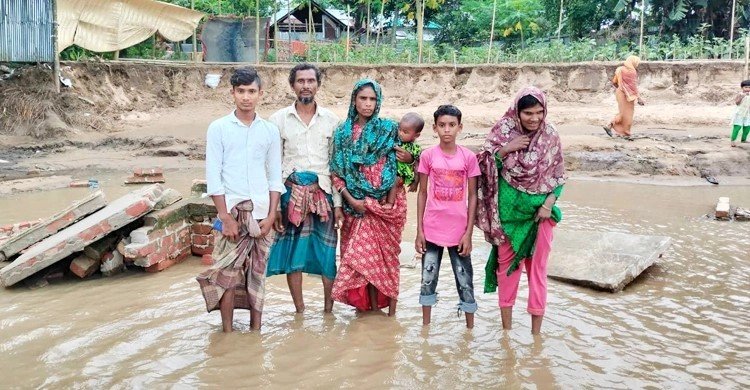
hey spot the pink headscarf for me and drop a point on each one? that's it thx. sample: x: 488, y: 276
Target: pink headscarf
x: 538, y: 169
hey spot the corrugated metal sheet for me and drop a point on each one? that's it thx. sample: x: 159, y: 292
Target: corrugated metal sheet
x: 26, y: 31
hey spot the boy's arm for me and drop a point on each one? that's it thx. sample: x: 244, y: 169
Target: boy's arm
x: 421, y: 245
x: 215, y: 188
x: 738, y: 98
x: 275, y: 184
x: 465, y: 246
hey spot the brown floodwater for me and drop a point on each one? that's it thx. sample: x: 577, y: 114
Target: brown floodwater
x: 683, y: 324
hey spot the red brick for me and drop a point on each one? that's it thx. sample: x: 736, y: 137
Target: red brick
x: 148, y: 171
x: 167, y: 241
x: 79, y: 183
x: 162, y: 265
x: 202, y: 250
x: 201, y: 228
x: 140, y: 251
x: 83, y: 266
x: 207, y: 259
x: 138, y: 209
x: 144, y: 179
x: 199, y: 239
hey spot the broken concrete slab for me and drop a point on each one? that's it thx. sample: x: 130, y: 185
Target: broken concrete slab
x: 145, y: 179
x: 742, y: 214
x: 75, y: 238
x: 722, y: 208
x: 199, y: 187
x: 603, y: 260
x: 169, y: 197
x: 79, y: 209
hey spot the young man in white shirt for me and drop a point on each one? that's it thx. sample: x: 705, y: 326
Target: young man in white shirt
x: 243, y: 174
x: 310, y: 209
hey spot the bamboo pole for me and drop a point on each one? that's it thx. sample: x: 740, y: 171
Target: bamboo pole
x: 380, y: 21
x: 55, y: 48
x: 348, y: 22
x: 195, y: 41
x: 492, y: 30
x: 731, y: 29
x: 559, y: 22
x: 257, y: 32
x: 420, y: 28
x: 289, y: 27
x: 311, y: 29
x: 747, y: 56
x: 367, y: 25
x: 640, y: 40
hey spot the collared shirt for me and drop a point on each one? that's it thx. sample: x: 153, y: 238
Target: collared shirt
x: 307, y: 147
x: 244, y: 162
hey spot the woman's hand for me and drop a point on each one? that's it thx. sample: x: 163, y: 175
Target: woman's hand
x: 543, y: 213
x: 516, y: 144
x: 403, y: 156
x: 358, y: 205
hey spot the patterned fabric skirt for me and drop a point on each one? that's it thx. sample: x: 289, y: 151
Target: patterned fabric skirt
x: 238, y: 265
x: 370, y: 246
x: 308, y: 248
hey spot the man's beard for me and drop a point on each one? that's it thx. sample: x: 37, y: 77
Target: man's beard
x: 306, y: 99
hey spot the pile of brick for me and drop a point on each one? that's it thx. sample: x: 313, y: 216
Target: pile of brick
x: 150, y: 228
x: 146, y: 176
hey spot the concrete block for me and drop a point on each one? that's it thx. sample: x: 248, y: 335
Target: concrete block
x: 148, y: 172
x: 75, y: 238
x: 603, y: 260
x: 199, y: 187
x: 169, y: 197
x: 84, y: 266
x: 144, y: 179
x: 52, y: 225
x: 742, y: 214
x: 112, y: 263
x: 722, y: 208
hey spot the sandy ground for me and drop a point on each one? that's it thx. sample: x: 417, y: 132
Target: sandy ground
x: 120, y: 116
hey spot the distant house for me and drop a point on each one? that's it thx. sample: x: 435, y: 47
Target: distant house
x: 328, y: 24
x: 406, y: 29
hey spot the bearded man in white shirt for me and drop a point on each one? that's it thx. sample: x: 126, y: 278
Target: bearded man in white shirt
x: 243, y: 175
x: 310, y: 209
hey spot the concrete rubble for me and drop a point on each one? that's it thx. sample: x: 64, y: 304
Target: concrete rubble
x: 726, y: 212
x: 79, y: 209
x: 146, y: 176
x: 75, y: 238
x: 606, y: 261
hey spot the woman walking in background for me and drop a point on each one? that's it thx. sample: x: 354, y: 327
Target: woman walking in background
x: 626, y: 92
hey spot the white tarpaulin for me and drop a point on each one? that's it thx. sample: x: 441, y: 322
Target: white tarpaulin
x: 109, y: 25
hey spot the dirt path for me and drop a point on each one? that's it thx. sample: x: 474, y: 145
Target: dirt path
x: 158, y: 115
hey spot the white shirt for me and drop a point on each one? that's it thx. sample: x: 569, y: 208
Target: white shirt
x: 244, y: 162
x: 307, y: 147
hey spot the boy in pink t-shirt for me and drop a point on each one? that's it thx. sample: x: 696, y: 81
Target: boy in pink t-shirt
x: 446, y: 206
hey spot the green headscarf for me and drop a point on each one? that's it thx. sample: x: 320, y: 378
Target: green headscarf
x: 378, y: 138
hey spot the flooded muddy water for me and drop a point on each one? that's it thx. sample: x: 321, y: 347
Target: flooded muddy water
x: 683, y: 324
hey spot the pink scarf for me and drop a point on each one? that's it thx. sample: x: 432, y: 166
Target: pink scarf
x: 538, y: 169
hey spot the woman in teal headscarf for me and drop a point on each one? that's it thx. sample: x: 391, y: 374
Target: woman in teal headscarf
x: 364, y: 169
